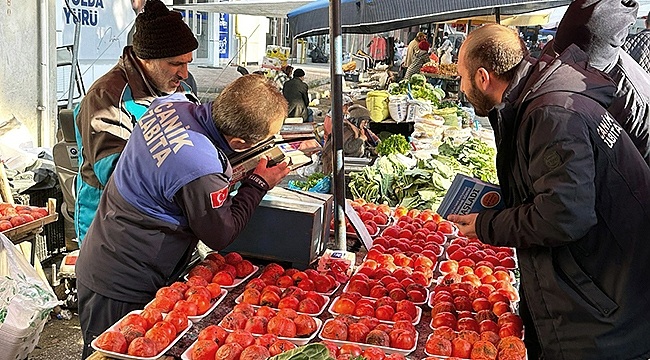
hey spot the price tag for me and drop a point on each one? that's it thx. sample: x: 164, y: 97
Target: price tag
x: 358, y: 225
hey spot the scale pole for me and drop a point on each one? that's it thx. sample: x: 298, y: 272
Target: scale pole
x: 336, y: 73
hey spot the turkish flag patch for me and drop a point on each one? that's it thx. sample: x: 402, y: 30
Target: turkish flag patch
x: 217, y: 198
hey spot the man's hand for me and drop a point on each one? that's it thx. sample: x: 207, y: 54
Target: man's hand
x: 466, y: 223
x: 272, y: 175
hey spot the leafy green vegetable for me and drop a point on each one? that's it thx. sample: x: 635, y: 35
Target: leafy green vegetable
x: 311, y: 181
x: 417, y: 79
x: 478, y: 156
x: 394, y: 144
x: 315, y: 351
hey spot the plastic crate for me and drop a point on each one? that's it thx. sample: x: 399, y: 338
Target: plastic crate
x: 54, y: 233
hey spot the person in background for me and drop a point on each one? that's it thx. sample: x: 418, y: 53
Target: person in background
x: 170, y: 189
x: 577, y: 195
x: 412, y: 49
x: 419, y: 59
x: 283, y: 76
x: 446, y: 46
x: 296, y: 91
x: 353, y: 138
x: 638, y: 46
x: 599, y: 28
x: 155, y: 65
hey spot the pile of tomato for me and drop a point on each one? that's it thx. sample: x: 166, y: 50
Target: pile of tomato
x: 285, y: 323
x: 143, y: 334
x: 308, y: 280
x: 293, y: 297
x: 370, y: 331
x: 353, y: 351
x: 222, y: 270
x: 385, y: 308
x: 214, y: 342
x: 12, y: 216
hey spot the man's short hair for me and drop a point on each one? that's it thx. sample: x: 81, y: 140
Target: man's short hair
x: 247, y: 106
x: 496, y: 48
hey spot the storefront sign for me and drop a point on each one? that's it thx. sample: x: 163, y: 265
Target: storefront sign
x: 224, y: 36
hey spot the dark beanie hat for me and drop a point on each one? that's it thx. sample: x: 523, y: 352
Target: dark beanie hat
x: 598, y: 27
x: 161, y: 33
x: 298, y: 73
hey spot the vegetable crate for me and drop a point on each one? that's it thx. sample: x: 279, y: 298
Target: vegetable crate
x: 54, y: 233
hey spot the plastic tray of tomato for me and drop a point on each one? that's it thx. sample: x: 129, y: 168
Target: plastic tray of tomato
x: 116, y: 355
x: 329, y: 293
x: 443, y: 357
x: 237, y: 281
x: 238, y: 300
x: 215, y: 302
x: 297, y: 341
x: 187, y: 354
x: 415, y: 321
x: 386, y: 349
x: 426, y: 295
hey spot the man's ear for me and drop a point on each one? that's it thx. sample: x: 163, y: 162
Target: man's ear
x: 482, y: 79
x: 238, y: 144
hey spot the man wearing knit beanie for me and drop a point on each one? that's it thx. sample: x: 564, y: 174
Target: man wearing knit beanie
x: 599, y: 28
x: 154, y: 66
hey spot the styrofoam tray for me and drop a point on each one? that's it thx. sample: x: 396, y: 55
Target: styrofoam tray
x: 238, y: 300
x: 441, y: 357
x: 415, y: 321
x: 116, y: 355
x: 426, y: 294
x: 235, y: 282
x: 297, y: 341
x: 386, y: 349
x: 329, y: 293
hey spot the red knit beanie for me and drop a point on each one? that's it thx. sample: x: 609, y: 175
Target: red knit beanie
x: 161, y: 33
x: 424, y: 45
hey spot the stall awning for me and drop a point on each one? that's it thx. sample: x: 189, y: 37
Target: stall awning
x: 267, y: 8
x: 375, y: 16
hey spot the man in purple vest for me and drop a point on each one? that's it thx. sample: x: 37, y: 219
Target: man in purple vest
x: 169, y: 189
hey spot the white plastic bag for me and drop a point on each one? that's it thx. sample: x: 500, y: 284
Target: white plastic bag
x: 25, y: 299
x: 397, y: 107
x: 417, y: 109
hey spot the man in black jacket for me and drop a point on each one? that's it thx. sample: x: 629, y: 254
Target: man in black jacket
x: 297, y: 94
x: 577, y: 194
x: 638, y: 46
x: 599, y: 28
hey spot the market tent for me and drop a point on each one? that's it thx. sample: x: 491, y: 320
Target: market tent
x: 376, y: 16
x: 268, y: 8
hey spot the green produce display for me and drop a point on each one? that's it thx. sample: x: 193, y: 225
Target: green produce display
x: 314, y: 351
x: 476, y: 155
x: 423, y: 185
x: 312, y: 180
x: 394, y: 144
x: 419, y: 88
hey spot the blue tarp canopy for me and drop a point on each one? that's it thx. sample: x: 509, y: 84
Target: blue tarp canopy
x: 375, y: 16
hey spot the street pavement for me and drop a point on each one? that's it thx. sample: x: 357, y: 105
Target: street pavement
x: 211, y: 81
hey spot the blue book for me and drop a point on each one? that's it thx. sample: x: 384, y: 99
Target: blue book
x: 469, y: 195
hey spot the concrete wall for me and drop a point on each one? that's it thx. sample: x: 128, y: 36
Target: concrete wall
x: 28, y: 66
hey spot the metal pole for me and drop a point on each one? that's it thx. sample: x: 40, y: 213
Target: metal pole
x: 336, y: 73
x: 75, y: 57
x: 497, y: 15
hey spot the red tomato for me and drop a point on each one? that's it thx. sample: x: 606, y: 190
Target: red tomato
x: 437, y: 345
x: 255, y: 352
x: 357, y: 332
x: 178, y: 319
x: 152, y: 315
x: 202, y: 303
x: 378, y: 337
x: 160, y: 338
x: 186, y: 307
x: 281, y: 346
x: 167, y: 327
x: 131, y: 332
x: 282, y: 326
x: 241, y: 337
x: 343, y: 306
x: 305, y: 325
x: 112, y: 341
x: 373, y: 354
x: 214, y: 333
x: 135, y: 319
x: 256, y: 325
x: 234, y: 321
x: 142, y: 347
x: 204, y: 350
x: 229, y: 351
x: 461, y: 348
x: 266, y: 340
x: 401, y: 339
x: 335, y: 330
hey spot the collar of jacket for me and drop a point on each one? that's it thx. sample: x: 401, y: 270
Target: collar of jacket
x: 204, y: 116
